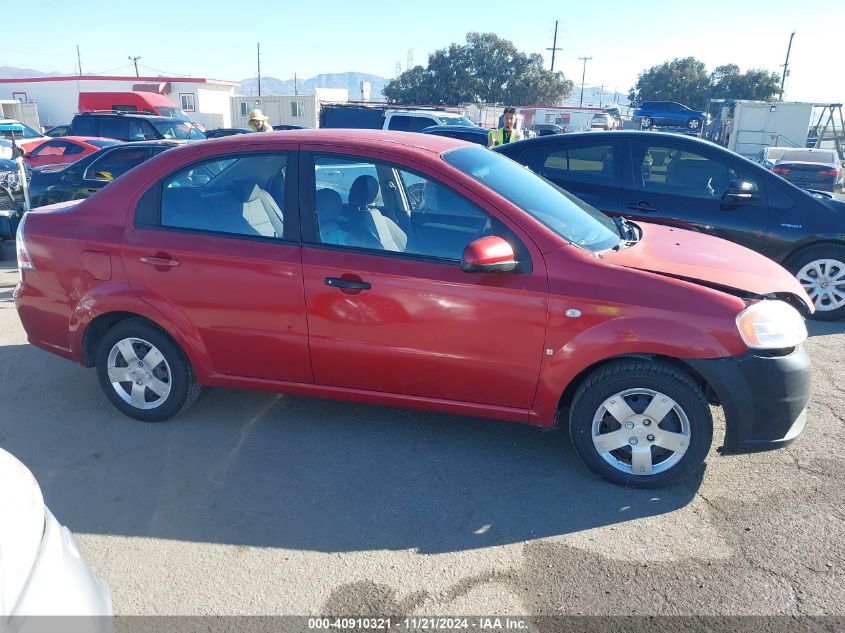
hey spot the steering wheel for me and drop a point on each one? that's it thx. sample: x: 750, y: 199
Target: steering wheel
x: 485, y: 229
x: 416, y: 196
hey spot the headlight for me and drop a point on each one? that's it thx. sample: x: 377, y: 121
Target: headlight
x: 771, y: 325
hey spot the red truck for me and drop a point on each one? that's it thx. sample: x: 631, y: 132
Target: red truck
x: 438, y: 275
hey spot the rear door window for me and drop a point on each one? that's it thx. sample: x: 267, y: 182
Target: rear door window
x: 588, y: 163
x: 115, y: 127
x: 115, y: 163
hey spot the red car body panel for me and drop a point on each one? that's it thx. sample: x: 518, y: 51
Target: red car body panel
x: 50, y: 158
x: 258, y: 315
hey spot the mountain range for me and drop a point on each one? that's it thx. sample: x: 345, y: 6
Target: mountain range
x: 350, y: 81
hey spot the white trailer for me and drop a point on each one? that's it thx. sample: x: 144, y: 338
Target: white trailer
x: 754, y: 125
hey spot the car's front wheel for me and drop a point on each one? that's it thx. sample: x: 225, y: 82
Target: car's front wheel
x: 641, y: 424
x: 694, y: 124
x: 821, y: 271
x: 646, y: 122
x: 144, y: 373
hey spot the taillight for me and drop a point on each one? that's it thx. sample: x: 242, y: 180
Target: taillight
x: 829, y: 173
x: 780, y: 171
x: 24, y: 260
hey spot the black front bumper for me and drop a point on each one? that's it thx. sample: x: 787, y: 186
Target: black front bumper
x: 764, y: 397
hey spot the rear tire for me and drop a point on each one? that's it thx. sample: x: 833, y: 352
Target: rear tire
x: 694, y: 124
x: 646, y: 122
x: 158, y: 381
x: 815, y: 267
x: 641, y: 424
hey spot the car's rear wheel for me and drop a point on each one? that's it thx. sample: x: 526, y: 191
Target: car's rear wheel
x: 144, y: 373
x: 821, y: 271
x: 641, y: 424
x: 647, y: 122
x: 694, y: 124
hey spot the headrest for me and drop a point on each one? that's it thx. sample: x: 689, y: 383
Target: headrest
x: 364, y: 191
x: 245, y: 190
x: 329, y: 203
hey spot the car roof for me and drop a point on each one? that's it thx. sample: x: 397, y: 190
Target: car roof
x: 455, y: 128
x: 146, y: 117
x: 610, y: 135
x: 370, y: 139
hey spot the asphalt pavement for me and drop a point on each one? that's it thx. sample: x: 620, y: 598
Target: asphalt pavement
x: 253, y: 503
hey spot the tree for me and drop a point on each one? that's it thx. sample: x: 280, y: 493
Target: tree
x: 487, y: 68
x: 686, y: 81
x: 683, y: 80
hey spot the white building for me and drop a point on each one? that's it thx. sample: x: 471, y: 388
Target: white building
x: 205, y: 100
x: 286, y: 109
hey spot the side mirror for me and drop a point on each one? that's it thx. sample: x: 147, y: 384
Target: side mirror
x: 739, y: 192
x: 489, y: 254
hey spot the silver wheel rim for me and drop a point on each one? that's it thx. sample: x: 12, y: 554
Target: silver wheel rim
x: 824, y: 281
x: 139, y: 373
x: 641, y: 432
x: 693, y: 124
x: 646, y: 122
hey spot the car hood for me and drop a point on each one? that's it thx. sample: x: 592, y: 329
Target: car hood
x: 707, y: 260
x: 22, y: 516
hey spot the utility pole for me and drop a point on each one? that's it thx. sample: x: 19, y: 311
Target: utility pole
x: 601, y: 95
x: 134, y: 60
x: 258, y: 45
x: 554, y: 48
x: 295, y: 92
x: 583, y: 74
x: 786, y: 65
x: 79, y: 60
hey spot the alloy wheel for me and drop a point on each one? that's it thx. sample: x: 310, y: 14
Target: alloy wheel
x: 641, y: 432
x: 139, y: 373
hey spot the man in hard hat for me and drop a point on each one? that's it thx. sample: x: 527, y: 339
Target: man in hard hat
x: 507, y: 133
x: 259, y: 122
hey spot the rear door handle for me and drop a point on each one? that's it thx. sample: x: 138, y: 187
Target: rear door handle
x: 159, y: 261
x: 351, y: 284
x: 642, y: 205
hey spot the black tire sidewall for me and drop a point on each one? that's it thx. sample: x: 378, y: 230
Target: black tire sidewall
x: 634, y: 376
x: 180, y: 370
x: 822, y: 251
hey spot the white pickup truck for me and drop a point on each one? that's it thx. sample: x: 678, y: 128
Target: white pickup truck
x: 381, y: 118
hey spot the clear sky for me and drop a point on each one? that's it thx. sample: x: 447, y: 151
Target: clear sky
x: 218, y: 39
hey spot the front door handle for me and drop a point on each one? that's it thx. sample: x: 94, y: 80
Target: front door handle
x: 642, y: 206
x: 152, y: 260
x: 348, y: 284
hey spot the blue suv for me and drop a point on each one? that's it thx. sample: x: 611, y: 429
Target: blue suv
x: 668, y: 114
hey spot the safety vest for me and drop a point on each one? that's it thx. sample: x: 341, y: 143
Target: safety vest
x: 496, y: 137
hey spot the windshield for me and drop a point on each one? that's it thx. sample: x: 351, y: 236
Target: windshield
x: 180, y: 131
x: 571, y: 218
x: 456, y: 120
x: 174, y: 113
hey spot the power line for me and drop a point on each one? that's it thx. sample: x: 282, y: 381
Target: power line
x: 111, y: 70
x: 163, y: 72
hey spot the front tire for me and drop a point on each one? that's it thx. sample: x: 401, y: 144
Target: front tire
x: 641, y: 424
x: 694, y: 124
x: 144, y: 373
x: 647, y: 122
x: 821, y: 271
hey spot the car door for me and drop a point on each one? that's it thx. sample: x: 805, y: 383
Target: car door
x: 389, y: 308
x: 682, y: 183
x: 590, y: 169
x: 215, y: 247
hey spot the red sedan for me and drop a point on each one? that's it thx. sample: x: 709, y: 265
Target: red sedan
x: 417, y: 271
x: 67, y: 149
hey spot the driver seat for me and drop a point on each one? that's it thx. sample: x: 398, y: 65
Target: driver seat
x: 368, y: 222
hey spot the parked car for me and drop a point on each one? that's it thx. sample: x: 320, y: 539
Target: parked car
x: 241, y: 262
x: 812, y: 169
x: 132, y: 127
x: 290, y: 126
x: 43, y: 572
x: 57, y: 131
x: 603, y: 121
x: 669, y: 114
x: 67, y: 149
x: 140, y: 102
x: 473, y: 134
x: 768, y: 156
x: 25, y: 138
x: 59, y: 183
x: 386, y: 118
x: 546, y: 129
x: 688, y: 183
x: 227, y: 131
